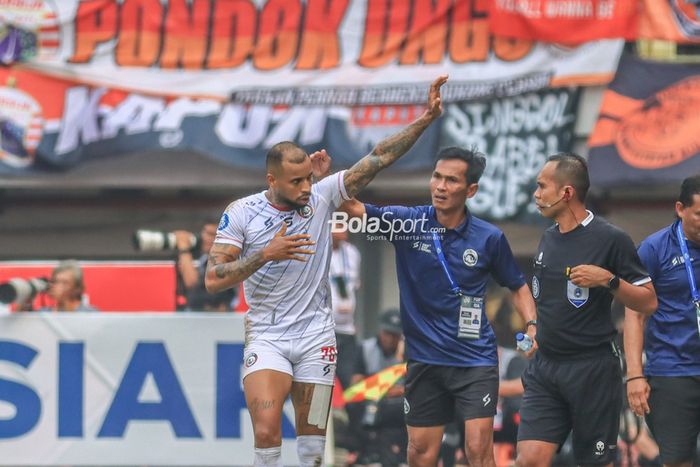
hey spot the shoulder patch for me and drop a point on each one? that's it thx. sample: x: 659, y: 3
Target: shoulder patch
x: 223, y: 223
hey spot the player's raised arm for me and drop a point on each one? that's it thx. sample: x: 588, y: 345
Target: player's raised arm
x: 225, y: 268
x: 390, y: 149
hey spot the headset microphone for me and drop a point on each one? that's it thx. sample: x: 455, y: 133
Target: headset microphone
x: 564, y: 196
x: 554, y: 203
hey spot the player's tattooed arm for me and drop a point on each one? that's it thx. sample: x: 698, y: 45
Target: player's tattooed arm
x: 225, y: 268
x: 387, y: 151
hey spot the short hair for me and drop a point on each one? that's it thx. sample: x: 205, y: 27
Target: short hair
x: 277, y: 154
x: 572, y: 169
x: 689, y: 188
x: 476, y: 161
x: 74, y: 268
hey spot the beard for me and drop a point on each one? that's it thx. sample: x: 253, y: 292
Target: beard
x: 290, y: 203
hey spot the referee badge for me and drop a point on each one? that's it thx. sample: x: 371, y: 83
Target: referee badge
x: 470, y: 257
x: 578, y: 296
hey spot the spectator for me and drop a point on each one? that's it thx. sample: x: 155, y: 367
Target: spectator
x: 67, y: 288
x: 382, y: 432
x: 345, y: 281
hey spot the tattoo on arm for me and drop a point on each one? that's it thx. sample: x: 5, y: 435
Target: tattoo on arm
x: 385, y: 153
x: 231, y: 268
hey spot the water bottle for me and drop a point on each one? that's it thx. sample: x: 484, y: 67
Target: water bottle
x: 523, y: 342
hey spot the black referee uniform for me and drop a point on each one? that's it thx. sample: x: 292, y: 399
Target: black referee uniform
x: 574, y: 382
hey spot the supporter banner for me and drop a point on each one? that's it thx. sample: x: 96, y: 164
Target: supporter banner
x: 671, y: 20
x: 110, y: 389
x: 648, y: 130
x: 517, y: 135
x: 230, y: 78
x: 565, y: 21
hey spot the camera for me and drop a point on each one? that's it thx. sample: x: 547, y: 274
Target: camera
x: 22, y: 290
x: 158, y: 240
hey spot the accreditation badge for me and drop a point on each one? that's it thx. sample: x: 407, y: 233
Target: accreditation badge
x: 470, y: 312
x: 697, y: 315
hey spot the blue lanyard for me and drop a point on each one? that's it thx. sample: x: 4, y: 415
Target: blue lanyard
x: 688, y: 266
x: 441, y: 257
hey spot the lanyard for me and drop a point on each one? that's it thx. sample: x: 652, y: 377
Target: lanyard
x: 441, y: 257
x: 688, y: 266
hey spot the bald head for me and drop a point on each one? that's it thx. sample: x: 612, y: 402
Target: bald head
x: 286, y: 151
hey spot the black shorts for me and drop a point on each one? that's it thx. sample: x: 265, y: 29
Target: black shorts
x: 674, y: 419
x: 437, y: 395
x: 581, y: 395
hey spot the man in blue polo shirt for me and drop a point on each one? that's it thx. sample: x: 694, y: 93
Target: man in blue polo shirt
x: 444, y: 258
x: 668, y: 391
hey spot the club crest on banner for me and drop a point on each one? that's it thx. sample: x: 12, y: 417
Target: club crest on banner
x: 21, y: 126
x: 30, y: 29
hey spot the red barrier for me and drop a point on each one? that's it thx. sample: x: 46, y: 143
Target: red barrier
x: 109, y: 285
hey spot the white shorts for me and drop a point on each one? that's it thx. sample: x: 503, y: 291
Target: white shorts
x: 310, y: 359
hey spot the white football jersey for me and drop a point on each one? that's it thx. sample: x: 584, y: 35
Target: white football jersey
x: 287, y: 299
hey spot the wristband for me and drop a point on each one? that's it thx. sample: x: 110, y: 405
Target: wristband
x: 532, y: 322
x: 182, y: 252
x: 614, y: 283
x: 632, y: 378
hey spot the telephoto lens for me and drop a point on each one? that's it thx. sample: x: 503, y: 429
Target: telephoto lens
x: 21, y: 290
x: 157, y: 240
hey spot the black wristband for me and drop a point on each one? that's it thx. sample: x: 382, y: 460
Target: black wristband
x: 614, y: 283
x: 627, y: 380
x: 532, y: 322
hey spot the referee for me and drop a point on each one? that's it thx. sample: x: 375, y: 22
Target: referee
x: 574, y: 381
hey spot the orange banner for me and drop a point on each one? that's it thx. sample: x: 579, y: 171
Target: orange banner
x: 648, y: 129
x: 565, y: 21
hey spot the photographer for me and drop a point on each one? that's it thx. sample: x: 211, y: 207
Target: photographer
x: 191, y: 268
x: 192, y: 253
x: 66, y: 288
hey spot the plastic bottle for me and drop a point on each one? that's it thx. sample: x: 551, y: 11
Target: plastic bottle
x: 523, y: 342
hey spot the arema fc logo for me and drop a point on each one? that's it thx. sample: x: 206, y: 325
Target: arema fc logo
x: 250, y: 360
x: 306, y: 212
x: 470, y: 257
